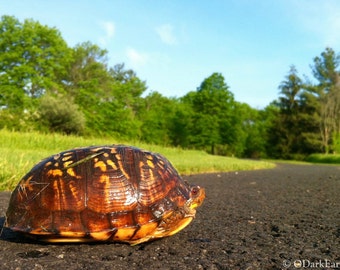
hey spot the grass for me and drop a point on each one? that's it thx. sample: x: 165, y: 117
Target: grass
x: 324, y: 158
x: 20, y: 151
x: 289, y: 161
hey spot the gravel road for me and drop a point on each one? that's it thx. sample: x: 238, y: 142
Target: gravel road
x: 280, y: 218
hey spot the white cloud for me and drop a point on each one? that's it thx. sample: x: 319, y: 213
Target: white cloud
x: 135, y: 58
x: 166, y: 34
x: 109, y: 28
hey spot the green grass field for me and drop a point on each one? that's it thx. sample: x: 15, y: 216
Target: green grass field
x: 324, y: 158
x: 20, y: 151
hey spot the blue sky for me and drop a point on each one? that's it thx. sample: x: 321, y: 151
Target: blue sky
x: 174, y: 45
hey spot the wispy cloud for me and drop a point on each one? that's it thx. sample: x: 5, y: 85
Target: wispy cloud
x: 166, y: 34
x: 109, y: 28
x: 135, y: 58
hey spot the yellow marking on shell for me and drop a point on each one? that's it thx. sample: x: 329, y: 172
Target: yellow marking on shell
x: 81, y: 161
x: 124, y: 234
x: 106, y: 155
x: 118, y: 156
x: 150, y: 163
x: 180, y: 226
x: 75, y: 193
x: 104, y: 179
x: 73, y: 187
x: 67, y: 156
x: 72, y: 234
x: 112, y: 164
x: 55, y: 172
x: 150, y: 166
x: 148, y: 156
x: 40, y: 231
x: 72, y: 173
x: 48, y: 163
x: 67, y: 163
x: 101, y: 236
x: 101, y: 165
x: 145, y: 230
x: 121, y: 167
x: 56, y: 157
x: 97, y: 149
x: 25, y: 185
x: 123, y: 171
x: 59, y: 195
x: 161, y: 164
x: 30, y: 186
x: 81, y: 239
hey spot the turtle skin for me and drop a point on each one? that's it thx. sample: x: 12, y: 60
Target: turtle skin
x: 112, y: 193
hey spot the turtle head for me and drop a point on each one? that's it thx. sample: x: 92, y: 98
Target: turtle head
x: 179, y: 218
x: 197, y: 195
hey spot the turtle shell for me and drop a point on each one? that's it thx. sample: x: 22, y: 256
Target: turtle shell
x: 102, y: 193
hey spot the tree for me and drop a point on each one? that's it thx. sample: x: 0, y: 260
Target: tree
x: 90, y: 86
x: 290, y: 90
x: 34, y: 58
x: 213, y: 106
x: 33, y: 61
x: 181, y: 124
x: 269, y: 130
x: 127, y: 90
x: 128, y: 87
x: 286, y: 128
x: 155, y: 116
x: 328, y: 93
x: 108, y: 97
x: 249, y: 128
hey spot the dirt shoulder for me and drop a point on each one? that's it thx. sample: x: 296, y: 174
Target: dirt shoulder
x: 264, y: 219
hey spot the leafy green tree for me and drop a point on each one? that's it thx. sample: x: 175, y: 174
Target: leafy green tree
x: 33, y: 61
x: 108, y: 97
x: 181, y: 124
x: 127, y: 92
x: 249, y: 132
x: 157, y: 117
x: 90, y: 85
x: 294, y: 129
x: 327, y: 92
x: 287, y: 125
x: 268, y: 130
x: 128, y: 88
x: 34, y: 58
x: 290, y: 90
x: 213, y: 106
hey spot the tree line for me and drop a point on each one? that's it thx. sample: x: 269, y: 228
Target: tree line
x: 46, y: 85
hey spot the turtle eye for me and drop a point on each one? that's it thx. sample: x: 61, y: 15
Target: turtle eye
x: 195, y: 191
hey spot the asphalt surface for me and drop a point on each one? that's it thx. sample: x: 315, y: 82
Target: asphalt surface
x: 282, y: 218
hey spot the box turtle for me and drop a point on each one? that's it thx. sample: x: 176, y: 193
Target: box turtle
x: 102, y: 193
